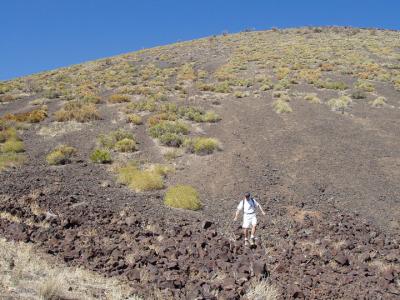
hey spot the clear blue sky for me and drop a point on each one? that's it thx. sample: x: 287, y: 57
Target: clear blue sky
x: 37, y: 35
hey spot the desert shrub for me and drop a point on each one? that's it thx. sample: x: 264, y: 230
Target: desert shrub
x: 164, y: 116
x: 159, y: 96
x: 7, y: 98
x: 10, y: 159
x: 280, y: 106
x: 146, y: 105
x: 283, y: 84
x: 134, y: 119
x: 34, y: 116
x: 364, y: 86
x: 78, y: 111
x: 171, y: 154
x: 240, y: 94
x: 12, y: 146
x: 202, y: 145
x: 118, y: 98
x: 163, y: 170
x: 140, y: 180
x: 125, y: 145
x: 90, y: 98
x: 61, y: 155
x: 100, y: 156
x: 169, y: 133
x: 8, y: 133
x: 331, y: 85
x: 339, y: 103
x: 358, y: 94
x: 222, y: 87
x: 197, y: 114
x: 310, y: 76
x: 182, y: 196
x: 110, y: 140
x: 186, y: 72
x: 211, y: 117
x: 312, y: 98
x: 266, y: 87
x: 378, y: 102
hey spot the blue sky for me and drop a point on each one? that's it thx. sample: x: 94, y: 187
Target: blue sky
x: 39, y: 35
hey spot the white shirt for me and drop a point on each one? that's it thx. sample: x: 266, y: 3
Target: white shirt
x: 249, y: 206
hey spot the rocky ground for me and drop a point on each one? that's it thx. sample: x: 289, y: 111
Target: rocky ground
x: 328, y: 181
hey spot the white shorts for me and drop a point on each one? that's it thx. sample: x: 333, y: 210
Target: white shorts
x: 249, y: 220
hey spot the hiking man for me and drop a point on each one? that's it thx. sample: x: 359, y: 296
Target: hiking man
x: 248, y: 205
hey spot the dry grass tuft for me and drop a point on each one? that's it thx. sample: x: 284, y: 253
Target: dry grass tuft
x: 378, y: 102
x: 281, y: 106
x: 118, y: 98
x: 202, y: 145
x: 142, y: 180
x: 182, y: 196
x: 78, y: 111
x: 262, y: 291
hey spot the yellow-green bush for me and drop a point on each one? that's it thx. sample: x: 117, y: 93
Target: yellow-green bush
x: 378, y: 102
x: 164, y: 116
x: 280, y: 106
x: 146, y: 105
x: 332, y: 85
x: 12, y: 146
x: 34, y: 116
x: 364, y: 86
x: 140, y: 180
x: 202, y: 145
x: 110, y: 140
x: 125, y: 145
x: 61, y: 155
x: 339, y: 103
x: 134, y: 119
x: 182, y: 196
x: 312, y: 98
x: 100, y: 156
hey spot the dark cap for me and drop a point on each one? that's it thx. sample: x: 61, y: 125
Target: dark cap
x: 247, y: 194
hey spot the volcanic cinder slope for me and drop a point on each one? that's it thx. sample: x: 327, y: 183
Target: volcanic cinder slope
x: 307, y: 119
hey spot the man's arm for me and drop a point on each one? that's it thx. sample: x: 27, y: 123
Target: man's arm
x: 239, y: 208
x: 262, y: 211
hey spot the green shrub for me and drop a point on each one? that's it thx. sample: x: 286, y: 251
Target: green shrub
x: 164, y: 116
x: 109, y: 140
x: 135, y: 119
x: 12, y: 146
x: 8, y: 133
x: 222, y: 87
x: 211, y: 117
x: 169, y: 133
x: 266, y: 87
x: 358, y: 94
x: 182, y: 196
x: 100, y: 156
x: 125, y: 145
x: 140, y: 180
x: 197, y: 114
x: 280, y: 106
x: 61, y: 155
x: 202, y: 145
x: 378, y: 102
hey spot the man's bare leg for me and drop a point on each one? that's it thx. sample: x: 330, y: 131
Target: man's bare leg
x: 253, y: 231
x: 245, y: 233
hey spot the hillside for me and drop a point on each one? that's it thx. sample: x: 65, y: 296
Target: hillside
x: 306, y: 119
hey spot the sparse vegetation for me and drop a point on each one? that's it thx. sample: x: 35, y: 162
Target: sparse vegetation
x: 125, y: 145
x: 146, y: 105
x: 202, y: 145
x: 100, y: 156
x: 262, y: 290
x: 364, y: 86
x: 331, y: 85
x: 134, y: 119
x: 182, y: 196
x: 34, y: 116
x: 61, y: 155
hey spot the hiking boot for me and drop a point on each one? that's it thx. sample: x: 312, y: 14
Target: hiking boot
x: 246, y: 242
